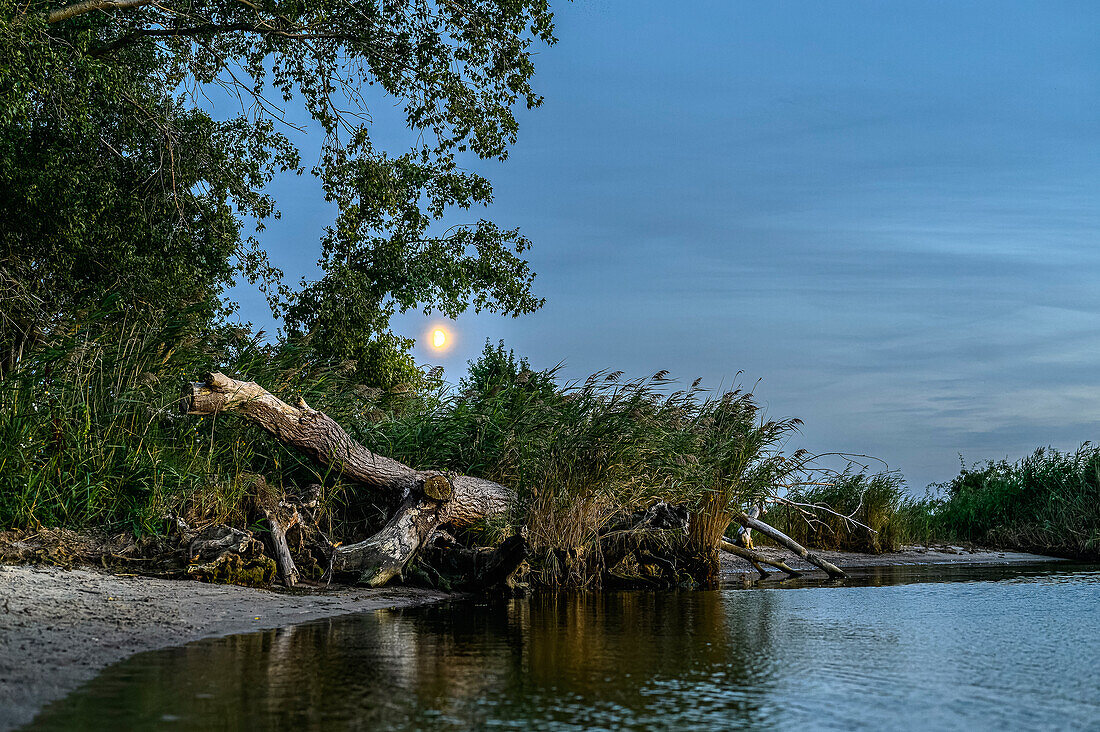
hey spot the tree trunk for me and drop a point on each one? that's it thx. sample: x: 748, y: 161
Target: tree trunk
x: 428, y: 497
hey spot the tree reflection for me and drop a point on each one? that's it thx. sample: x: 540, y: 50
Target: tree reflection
x: 606, y: 659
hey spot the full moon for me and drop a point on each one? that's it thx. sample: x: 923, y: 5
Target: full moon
x: 439, y: 338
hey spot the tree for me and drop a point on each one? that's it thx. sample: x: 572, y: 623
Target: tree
x: 96, y: 195
x: 115, y: 176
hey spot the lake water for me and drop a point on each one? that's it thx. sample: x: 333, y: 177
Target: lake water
x: 963, y: 648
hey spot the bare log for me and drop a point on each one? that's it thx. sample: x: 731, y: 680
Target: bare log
x: 429, y: 498
x: 750, y: 523
x: 756, y: 559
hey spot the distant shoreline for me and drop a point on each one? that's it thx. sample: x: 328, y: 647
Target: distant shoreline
x: 59, y: 628
x: 939, y: 555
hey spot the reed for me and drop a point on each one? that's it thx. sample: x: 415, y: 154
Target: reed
x: 90, y: 431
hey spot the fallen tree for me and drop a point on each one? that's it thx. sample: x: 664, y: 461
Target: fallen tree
x: 428, y: 500
x: 771, y: 532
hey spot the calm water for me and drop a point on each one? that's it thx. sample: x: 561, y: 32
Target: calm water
x: 962, y: 649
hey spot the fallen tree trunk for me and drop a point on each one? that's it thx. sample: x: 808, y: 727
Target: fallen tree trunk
x: 750, y: 523
x: 428, y: 497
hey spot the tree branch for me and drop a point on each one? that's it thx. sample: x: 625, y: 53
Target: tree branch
x: 88, y: 6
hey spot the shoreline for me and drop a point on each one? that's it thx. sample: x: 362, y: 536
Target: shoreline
x: 60, y: 627
x: 907, y: 556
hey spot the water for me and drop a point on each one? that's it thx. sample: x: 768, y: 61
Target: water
x: 948, y: 649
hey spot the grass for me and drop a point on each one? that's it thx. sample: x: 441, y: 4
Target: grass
x: 583, y: 455
x: 91, y: 435
x: 1047, y: 502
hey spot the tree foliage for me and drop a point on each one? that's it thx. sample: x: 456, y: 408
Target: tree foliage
x: 118, y: 175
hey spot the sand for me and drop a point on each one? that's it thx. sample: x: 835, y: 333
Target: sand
x: 59, y: 627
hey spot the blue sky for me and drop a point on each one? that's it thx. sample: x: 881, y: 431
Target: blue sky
x: 888, y: 212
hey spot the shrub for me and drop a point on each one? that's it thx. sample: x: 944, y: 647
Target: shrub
x: 1047, y: 502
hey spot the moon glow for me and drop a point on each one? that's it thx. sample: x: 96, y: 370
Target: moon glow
x: 439, y: 338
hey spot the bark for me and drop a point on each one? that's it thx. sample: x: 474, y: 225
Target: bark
x: 428, y: 497
x: 71, y: 11
x: 750, y: 523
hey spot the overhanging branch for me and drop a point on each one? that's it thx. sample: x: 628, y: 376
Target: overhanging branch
x: 89, y: 6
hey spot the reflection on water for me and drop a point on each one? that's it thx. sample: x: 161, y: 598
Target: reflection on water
x: 1012, y: 648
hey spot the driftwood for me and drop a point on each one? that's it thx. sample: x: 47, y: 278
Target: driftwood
x: 281, y: 515
x: 756, y: 559
x: 751, y: 523
x: 428, y: 498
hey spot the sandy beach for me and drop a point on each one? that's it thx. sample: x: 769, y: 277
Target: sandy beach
x: 59, y: 627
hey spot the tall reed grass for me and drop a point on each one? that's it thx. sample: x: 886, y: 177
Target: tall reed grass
x: 91, y: 435
x: 585, y: 454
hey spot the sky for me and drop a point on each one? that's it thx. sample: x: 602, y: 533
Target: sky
x: 885, y: 216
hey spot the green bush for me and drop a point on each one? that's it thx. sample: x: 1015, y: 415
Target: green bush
x: 1048, y: 502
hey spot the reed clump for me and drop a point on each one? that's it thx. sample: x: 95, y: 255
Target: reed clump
x: 585, y: 455
x: 91, y: 436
